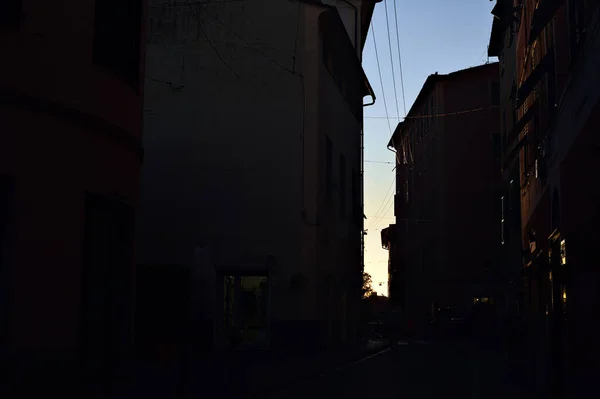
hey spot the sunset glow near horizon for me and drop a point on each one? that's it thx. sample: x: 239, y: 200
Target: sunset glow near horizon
x: 434, y: 36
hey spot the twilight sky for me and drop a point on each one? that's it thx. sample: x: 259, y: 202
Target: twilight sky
x: 434, y: 35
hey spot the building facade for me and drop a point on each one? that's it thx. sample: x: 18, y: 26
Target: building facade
x: 70, y: 157
x: 508, y: 290
x: 448, y: 153
x: 556, y: 104
x: 253, y: 177
x: 396, y: 288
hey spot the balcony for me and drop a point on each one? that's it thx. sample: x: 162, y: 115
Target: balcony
x: 523, y: 121
x: 542, y: 16
x: 512, y: 154
x: 546, y: 65
x: 387, y: 236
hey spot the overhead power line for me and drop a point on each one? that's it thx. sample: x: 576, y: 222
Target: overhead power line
x: 380, y: 78
x: 383, y: 162
x: 215, y: 18
x: 399, y: 57
x: 212, y: 45
x: 387, y: 21
x: 435, y: 115
x: 383, y: 204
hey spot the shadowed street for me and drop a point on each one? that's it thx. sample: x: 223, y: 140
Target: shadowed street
x: 417, y: 370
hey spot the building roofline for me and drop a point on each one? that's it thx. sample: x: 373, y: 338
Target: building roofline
x: 365, y: 19
x: 430, y: 82
x: 333, y: 11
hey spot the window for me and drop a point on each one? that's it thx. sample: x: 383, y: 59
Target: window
x: 514, y: 116
x: 10, y: 15
x: 504, y: 129
x: 495, y: 93
x: 342, y: 185
x: 117, y: 37
x: 433, y: 109
x: 328, y: 170
x: 6, y: 243
x: 577, y: 26
x: 497, y: 145
x: 502, y: 226
x: 356, y: 200
x: 107, y: 286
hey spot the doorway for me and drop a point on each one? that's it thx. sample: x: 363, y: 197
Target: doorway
x: 244, y: 302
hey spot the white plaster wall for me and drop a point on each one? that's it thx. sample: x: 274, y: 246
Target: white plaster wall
x: 347, y: 15
x: 234, y: 136
x: 223, y: 133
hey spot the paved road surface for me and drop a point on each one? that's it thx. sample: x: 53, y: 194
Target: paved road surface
x: 418, y: 370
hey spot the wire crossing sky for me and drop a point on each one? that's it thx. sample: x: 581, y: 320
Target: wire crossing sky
x: 423, y: 37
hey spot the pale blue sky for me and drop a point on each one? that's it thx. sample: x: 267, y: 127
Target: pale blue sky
x: 435, y: 35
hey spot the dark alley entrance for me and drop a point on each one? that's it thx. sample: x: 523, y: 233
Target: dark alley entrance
x: 243, y: 310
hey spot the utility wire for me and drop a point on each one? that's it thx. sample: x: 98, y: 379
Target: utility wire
x: 380, y: 78
x: 435, y: 115
x: 387, y: 21
x: 399, y: 56
x: 383, y: 203
x: 386, y: 114
x: 251, y: 46
x: 212, y: 45
x: 386, y: 207
x: 383, y: 162
x: 384, y: 217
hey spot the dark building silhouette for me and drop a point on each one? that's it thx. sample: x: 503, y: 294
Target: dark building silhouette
x: 553, y: 49
x: 70, y: 157
x: 447, y: 163
x: 238, y: 96
x: 396, y: 281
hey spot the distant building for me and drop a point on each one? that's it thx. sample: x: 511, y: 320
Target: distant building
x: 448, y: 152
x: 70, y: 157
x: 253, y: 178
x: 396, y: 282
x: 554, y: 140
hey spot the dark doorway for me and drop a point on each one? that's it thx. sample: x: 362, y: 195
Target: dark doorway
x: 107, y: 286
x: 245, y: 311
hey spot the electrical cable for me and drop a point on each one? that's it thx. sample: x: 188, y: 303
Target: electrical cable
x: 436, y: 115
x: 380, y: 77
x: 387, y: 21
x: 240, y: 38
x: 384, y: 202
x: 399, y: 57
x: 212, y: 45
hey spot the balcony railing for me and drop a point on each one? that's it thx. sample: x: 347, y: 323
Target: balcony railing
x: 513, y: 152
x: 545, y: 65
x: 520, y: 125
x: 542, y: 15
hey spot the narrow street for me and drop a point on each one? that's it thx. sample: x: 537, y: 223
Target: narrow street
x: 416, y: 370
